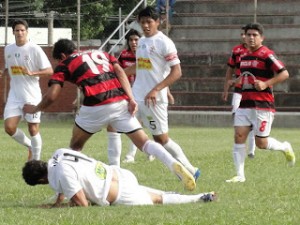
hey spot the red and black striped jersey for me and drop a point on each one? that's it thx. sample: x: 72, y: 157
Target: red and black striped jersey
x: 234, y: 62
x: 259, y: 65
x: 93, y: 72
x: 126, y: 59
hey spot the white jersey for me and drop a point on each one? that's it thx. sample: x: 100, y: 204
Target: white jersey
x: 70, y: 171
x: 24, y: 88
x: 155, y: 55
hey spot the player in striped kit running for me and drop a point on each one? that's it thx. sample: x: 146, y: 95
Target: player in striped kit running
x: 260, y: 71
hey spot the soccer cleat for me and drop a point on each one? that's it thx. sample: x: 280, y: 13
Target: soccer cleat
x: 289, y: 154
x: 185, y: 176
x: 151, y: 158
x: 29, y: 157
x: 197, y: 174
x: 128, y: 159
x: 208, y: 197
x: 251, y: 156
x: 236, y: 179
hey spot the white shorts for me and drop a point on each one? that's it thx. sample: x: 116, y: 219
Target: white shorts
x: 15, y: 109
x: 154, y: 118
x: 130, y: 192
x: 236, y: 100
x: 260, y: 120
x: 93, y: 118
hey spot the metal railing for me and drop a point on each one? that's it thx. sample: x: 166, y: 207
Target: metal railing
x: 122, y: 26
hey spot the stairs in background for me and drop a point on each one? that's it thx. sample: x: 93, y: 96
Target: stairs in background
x: 205, y: 31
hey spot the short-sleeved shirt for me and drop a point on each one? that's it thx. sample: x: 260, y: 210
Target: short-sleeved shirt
x: 155, y: 55
x: 234, y: 62
x: 261, y: 64
x: 93, y: 72
x: 24, y: 88
x: 70, y: 171
x: 126, y: 59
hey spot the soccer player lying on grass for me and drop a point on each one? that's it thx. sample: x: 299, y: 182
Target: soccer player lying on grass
x: 84, y: 180
x: 108, y: 100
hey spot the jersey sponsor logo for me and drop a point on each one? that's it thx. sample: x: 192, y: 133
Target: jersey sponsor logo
x: 100, y: 171
x: 127, y: 64
x: 126, y: 54
x: 250, y: 63
x: 144, y: 63
x: 245, y: 63
x: 16, y: 70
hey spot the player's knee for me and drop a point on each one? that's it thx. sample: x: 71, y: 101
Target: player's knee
x: 139, y: 138
x: 10, y: 130
x: 33, y: 130
x: 261, y: 146
x: 261, y: 143
x: 161, y: 139
x: 76, y: 146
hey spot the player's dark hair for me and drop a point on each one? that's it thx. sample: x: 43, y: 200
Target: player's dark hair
x: 65, y: 46
x: 149, y: 11
x: 255, y: 26
x: 19, y: 21
x: 130, y: 33
x: 33, y: 171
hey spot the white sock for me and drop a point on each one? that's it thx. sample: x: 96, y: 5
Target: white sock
x: 173, y: 198
x: 239, y: 155
x: 21, y: 138
x: 36, y: 146
x: 153, y: 148
x: 114, y: 148
x: 275, y: 145
x: 176, y: 151
x: 131, y: 150
x: 251, y: 143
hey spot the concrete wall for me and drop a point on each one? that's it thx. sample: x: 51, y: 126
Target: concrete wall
x: 38, y: 35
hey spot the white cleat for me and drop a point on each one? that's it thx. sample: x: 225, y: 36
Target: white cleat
x: 289, y: 154
x: 236, y: 179
x: 128, y: 160
x: 151, y: 158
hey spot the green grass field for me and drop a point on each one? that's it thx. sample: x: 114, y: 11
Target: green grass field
x: 269, y: 196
